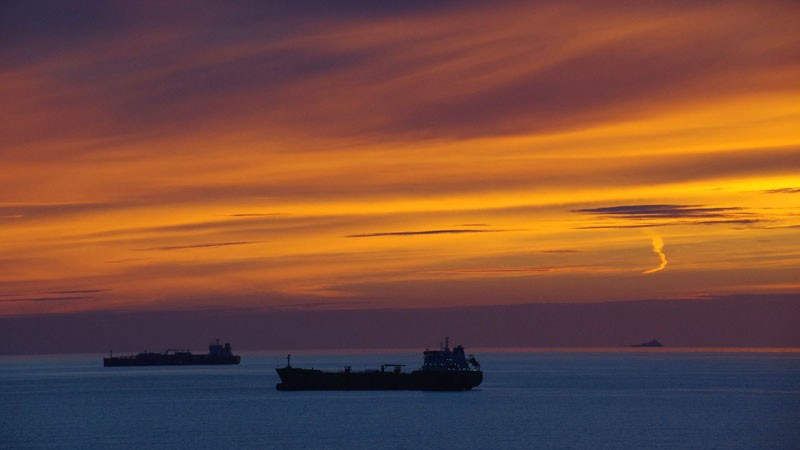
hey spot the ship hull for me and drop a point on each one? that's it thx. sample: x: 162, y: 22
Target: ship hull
x: 293, y: 379
x: 193, y: 360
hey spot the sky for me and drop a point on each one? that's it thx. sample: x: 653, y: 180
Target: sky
x: 159, y: 156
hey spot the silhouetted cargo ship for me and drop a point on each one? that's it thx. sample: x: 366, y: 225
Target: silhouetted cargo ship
x: 653, y: 343
x: 217, y: 354
x: 442, y: 370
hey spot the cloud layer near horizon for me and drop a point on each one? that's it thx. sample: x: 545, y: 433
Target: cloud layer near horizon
x: 250, y: 141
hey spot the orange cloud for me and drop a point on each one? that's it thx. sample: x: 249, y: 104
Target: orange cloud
x: 252, y: 142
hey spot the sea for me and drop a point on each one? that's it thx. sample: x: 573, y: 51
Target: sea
x: 530, y: 399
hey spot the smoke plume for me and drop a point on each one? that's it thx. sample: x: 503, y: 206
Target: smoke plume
x: 658, y: 245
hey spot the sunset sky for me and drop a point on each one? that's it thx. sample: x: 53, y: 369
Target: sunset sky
x: 162, y: 156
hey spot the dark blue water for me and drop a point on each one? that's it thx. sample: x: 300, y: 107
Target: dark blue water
x: 581, y: 400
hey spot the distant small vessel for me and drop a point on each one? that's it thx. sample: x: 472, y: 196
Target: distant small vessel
x: 653, y: 343
x: 217, y: 354
x: 442, y: 370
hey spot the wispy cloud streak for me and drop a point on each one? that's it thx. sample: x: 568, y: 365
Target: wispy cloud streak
x: 786, y: 190
x: 660, y: 211
x: 512, y: 270
x: 43, y: 299
x: 648, y: 216
x: 423, y: 233
x: 82, y: 291
x: 207, y: 245
x: 674, y: 223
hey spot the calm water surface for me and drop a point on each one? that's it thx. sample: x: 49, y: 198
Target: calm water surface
x: 581, y: 400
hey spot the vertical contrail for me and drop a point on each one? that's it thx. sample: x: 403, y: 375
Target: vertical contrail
x: 658, y: 245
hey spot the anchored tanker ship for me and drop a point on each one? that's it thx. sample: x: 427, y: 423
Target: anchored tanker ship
x: 442, y: 370
x: 217, y: 354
